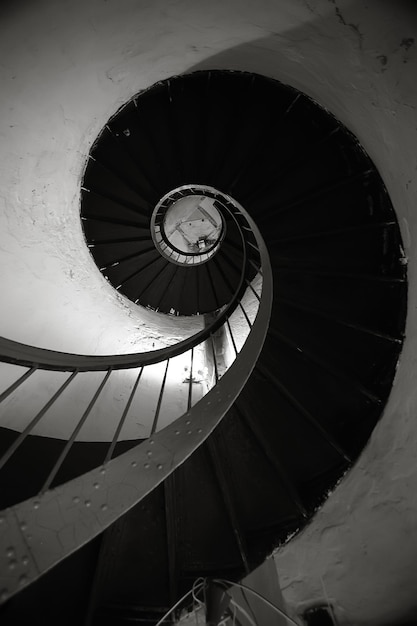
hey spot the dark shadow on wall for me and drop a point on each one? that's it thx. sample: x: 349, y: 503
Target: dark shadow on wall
x: 296, y: 57
x: 12, y: 8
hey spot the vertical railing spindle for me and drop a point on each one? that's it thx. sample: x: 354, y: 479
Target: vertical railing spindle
x: 123, y: 418
x: 158, y: 406
x: 17, y: 383
x: 75, y: 432
x: 213, y: 349
x: 246, y: 315
x: 35, y: 420
x: 190, y: 386
x: 231, y: 336
x: 257, y: 296
x: 255, y: 266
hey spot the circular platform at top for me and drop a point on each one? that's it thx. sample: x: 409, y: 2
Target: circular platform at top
x: 187, y: 224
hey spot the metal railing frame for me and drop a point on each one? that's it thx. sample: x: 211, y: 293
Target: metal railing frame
x: 40, y: 532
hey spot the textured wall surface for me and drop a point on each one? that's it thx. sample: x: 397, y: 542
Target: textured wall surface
x: 65, y: 68
x: 64, y: 72
x: 359, y: 59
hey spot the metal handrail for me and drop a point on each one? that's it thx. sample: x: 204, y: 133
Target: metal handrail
x: 40, y: 532
x: 30, y: 356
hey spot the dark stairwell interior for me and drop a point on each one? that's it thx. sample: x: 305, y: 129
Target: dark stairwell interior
x: 328, y: 362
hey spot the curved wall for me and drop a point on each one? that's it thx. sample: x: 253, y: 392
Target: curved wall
x: 65, y: 68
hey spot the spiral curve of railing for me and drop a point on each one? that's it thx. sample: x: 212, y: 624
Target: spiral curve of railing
x: 44, y: 529
x: 303, y: 415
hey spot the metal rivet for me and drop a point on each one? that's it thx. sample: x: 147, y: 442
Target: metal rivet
x: 36, y: 505
x: 3, y: 595
x: 104, y: 507
x: 149, y: 452
x: 12, y: 564
x: 189, y: 432
x: 10, y: 552
x: 103, y: 470
x: 133, y: 463
x: 147, y: 465
x: 151, y: 442
x: 76, y: 499
x: 23, y: 525
x: 23, y: 579
x: 25, y: 560
x: 159, y: 466
x: 177, y: 432
x: 96, y: 485
x: 188, y: 422
x: 87, y: 503
x: 208, y: 402
x: 1, y: 520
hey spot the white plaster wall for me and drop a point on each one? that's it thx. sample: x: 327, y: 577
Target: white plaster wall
x: 66, y: 66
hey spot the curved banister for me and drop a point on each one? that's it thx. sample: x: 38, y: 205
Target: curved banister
x: 29, y: 356
x: 38, y: 533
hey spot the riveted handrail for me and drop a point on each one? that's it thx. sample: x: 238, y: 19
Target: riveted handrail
x: 40, y: 532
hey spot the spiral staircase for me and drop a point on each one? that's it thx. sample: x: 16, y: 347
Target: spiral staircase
x: 300, y: 298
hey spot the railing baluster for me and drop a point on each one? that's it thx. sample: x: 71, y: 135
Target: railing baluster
x: 252, y: 246
x: 256, y: 267
x: 216, y: 371
x: 17, y: 383
x: 76, y: 430
x: 35, y: 420
x: 231, y: 336
x: 246, y: 315
x: 158, y: 406
x: 123, y: 418
x: 190, y: 386
x: 258, y: 297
